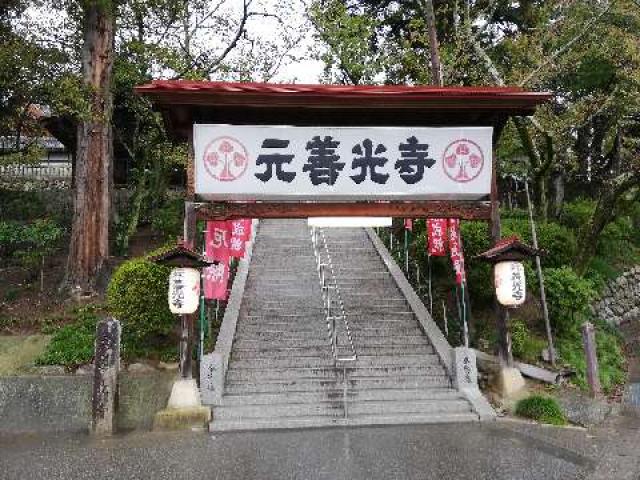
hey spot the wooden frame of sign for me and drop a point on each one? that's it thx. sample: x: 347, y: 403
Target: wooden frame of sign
x: 185, y: 103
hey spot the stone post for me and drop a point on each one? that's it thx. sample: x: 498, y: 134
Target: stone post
x: 104, y: 399
x: 591, y: 357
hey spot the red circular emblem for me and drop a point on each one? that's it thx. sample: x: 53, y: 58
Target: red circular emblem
x: 225, y: 159
x: 463, y: 160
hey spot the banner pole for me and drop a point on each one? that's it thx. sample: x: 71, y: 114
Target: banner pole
x: 429, y: 283
x: 446, y: 322
x: 464, y: 317
x: 406, y: 251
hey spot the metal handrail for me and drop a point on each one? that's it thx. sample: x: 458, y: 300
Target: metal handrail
x: 330, y: 289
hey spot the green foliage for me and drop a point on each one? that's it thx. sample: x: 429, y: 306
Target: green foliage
x: 29, y: 243
x: 542, y: 409
x: 23, y: 206
x: 167, y: 220
x: 349, y: 36
x: 137, y: 296
x: 577, y: 213
x: 569, y: 297
x: 526, y: 346
x: 611, y: 360
x: 9, y: 238
x: 73, y: 344
x: 557, y: 241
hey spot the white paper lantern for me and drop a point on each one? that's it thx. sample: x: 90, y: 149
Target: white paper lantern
x: 184, y: 290
x: 510, y: 283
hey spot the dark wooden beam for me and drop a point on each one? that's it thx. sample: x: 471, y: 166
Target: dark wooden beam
x: 422, y: 209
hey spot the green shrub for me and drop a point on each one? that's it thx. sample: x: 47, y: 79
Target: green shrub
x: 611, y: 360
x: 137, y: 296
x: 9, y: 238
x: 73, y: 344
x: 18, y: 205
x: 569, y: 297
x: 557, y: 241
x: 576, y: 214
x: 542, y: 409
x: 526, y: 346
x: 167, y: 220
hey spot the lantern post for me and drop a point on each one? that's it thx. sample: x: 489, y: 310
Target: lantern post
x: 184, y: 409
x: 510, y: 284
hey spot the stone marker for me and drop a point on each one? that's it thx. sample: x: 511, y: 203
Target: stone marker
x: 211, y: 379
x: 466, y: 370
x: 591, y: 357
x: 105, y: 380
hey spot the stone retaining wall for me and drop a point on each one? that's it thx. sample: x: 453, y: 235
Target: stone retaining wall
x: 45, y: 404
x: 620, y: 300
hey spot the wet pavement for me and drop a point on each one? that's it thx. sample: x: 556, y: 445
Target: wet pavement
x: 497, y: 450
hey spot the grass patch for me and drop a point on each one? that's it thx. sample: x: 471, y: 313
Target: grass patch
x: 17, y: 353
x: 526, y: 346
x: 611, y: 360
x: 542, y: 409
x: 73, y: 344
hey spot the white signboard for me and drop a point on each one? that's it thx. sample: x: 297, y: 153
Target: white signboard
x: 342, y: 163
x: 184, y: 290
x: 349, y: 222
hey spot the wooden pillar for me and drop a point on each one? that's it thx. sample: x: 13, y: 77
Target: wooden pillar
x: 187, y: 321
x: 186, y: 346
x: 502, y: 315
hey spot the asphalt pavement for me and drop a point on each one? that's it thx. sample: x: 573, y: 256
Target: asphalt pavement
x: 496, y: 450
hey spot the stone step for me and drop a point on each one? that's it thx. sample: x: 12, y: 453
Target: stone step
x: 420, y: 407
x: 308, y: 341
x: 379, y: 395
x: 364, y: 310
x: 328, y: 362
x: 335, y: 408
x: 293, y: 331
x: 361, y: 384
x: 325, y: 351
x: 296, y: 410
x: 236, y: 374
x: 324, y: 421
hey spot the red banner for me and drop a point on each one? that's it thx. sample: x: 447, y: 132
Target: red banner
x: 241, y: 227
x: 455, y: 247
x: 408, y: 224
x: 217, y: 241
x: 436, y: 233
x: 216, y: 280
x: 240, y: 231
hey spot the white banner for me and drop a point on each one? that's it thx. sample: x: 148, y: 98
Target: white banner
x: 342, y: 163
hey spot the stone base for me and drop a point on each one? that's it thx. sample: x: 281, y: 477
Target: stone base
x: 511, y: 383
x: 187, y: 418
x: 184, y: 394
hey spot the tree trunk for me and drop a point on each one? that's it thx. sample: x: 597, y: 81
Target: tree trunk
x: 89, y: 246
x: 540, y: 182
x: 436, y: 66
x: 557, y: 180
x: 602, y: 215
x: 611, y: 194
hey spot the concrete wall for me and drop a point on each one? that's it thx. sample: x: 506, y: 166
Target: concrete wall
x: 620, y: 300
x: 45, y: 404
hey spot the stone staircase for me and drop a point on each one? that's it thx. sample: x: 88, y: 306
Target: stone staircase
x: 282, y: 374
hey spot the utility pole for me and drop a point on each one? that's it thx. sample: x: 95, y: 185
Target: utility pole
x: 543, y: 296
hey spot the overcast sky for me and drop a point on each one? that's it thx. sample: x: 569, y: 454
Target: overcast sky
x: 306, y: 69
